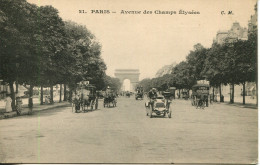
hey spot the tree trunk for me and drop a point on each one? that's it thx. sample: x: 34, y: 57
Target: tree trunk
x: 244, y: 93
x: 220, y: 94
x: 256, y: 92
x: 60, y: 92
x: 65, y: 93
x: 51, y: 94
x: 232, y: 93
x: 12, y: 95
x: 179, y: 93
x: 30, y: 101
x: 70, y: 95
x: 41, y: 98
x: 16, y: 87
x: 213, y: 94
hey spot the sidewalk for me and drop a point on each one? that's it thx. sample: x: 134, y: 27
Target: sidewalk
x: 36, y: 107
x: 36, y: 101
x: 238, y: 102
x: 240, y: 105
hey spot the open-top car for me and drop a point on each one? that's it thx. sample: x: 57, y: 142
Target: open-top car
x: 158, y: 106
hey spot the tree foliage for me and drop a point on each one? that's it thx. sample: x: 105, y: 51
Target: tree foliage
x: 229, y: 63
x: 39, y: 49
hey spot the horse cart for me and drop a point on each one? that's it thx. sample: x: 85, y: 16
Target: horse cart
x: 110, y: 99
x: 88, y: 99
x: 200, y: 94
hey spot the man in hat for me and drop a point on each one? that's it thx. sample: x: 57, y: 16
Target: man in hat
x: 152, y: 95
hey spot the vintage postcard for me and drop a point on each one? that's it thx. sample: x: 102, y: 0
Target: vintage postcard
x: 118, y: 81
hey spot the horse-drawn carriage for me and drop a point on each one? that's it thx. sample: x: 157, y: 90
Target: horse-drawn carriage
x: 87, y: 97
x: 139, y: 93
x: 200, y: 94
x: 110, y: 98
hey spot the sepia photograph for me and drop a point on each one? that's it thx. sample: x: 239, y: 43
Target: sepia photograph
x: 129, y: 82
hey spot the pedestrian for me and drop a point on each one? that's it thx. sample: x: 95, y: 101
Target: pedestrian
x: 46, y: 100
x: 77, y: 103
x: 8, y: 104
x: 19, y: 104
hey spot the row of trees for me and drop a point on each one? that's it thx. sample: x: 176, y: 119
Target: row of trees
x: 38, y: 48
x: 229, y: 63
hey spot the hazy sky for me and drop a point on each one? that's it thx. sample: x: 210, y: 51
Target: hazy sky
x: 148, y: 42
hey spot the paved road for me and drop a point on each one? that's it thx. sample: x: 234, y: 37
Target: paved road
x: 219, y: 134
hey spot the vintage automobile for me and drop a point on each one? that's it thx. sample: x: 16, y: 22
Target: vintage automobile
x: 158, y: 106
x: 200, y: 94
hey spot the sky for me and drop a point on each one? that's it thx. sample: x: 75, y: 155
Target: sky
x: 149, y: 41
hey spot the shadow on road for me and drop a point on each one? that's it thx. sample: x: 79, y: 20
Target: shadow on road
x: 240, y: 105
x: 86, y: 111
x: 159, y: 116
x: 109, y: 107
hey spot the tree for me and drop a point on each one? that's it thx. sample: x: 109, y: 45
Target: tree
x: 15, y: 39
x: 214, y: 68
x: 185, y: 78
x: 83, y: 57
x: 146, y: 84
x: 196, y: 61
x: 113, y: 83
x: 245, y: 62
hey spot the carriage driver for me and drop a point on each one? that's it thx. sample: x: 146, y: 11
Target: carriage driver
x: 108, y: 91
x: 152, y: 93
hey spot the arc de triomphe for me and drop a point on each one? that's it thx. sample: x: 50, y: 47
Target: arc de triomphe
x: 131, y: 74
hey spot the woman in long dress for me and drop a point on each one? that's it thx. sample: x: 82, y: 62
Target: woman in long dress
x: 8, y: 105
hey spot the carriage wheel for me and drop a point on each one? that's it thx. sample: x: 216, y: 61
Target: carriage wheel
x: 164, y: 114
x: 203, y: 105
x: 151, y: 113
x: 91, y: 105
